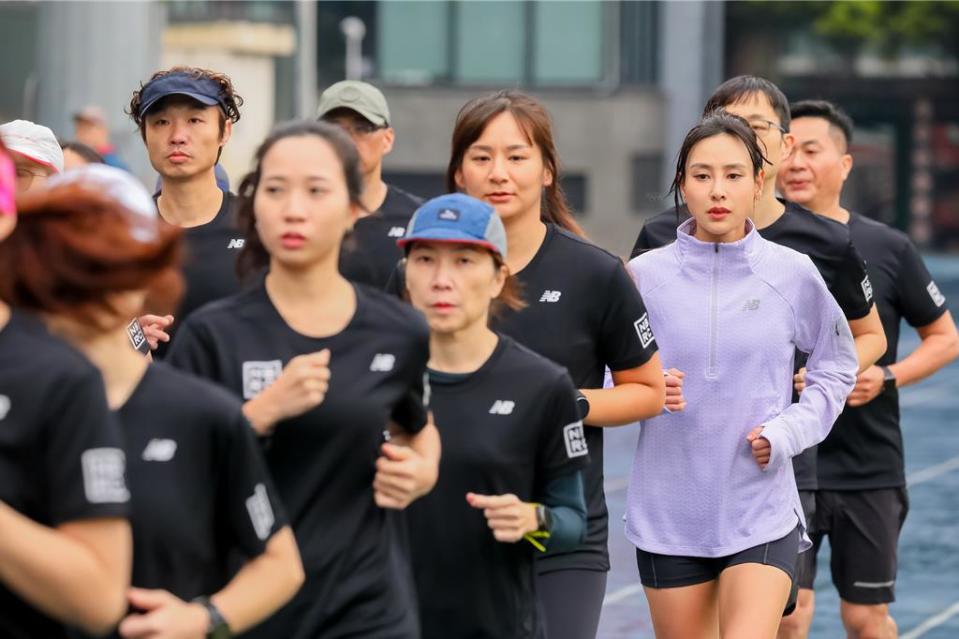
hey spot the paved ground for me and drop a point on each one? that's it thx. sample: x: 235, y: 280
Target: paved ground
x: 928, y: 585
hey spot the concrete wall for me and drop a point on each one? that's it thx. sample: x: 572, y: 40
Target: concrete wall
x: 597, y: 136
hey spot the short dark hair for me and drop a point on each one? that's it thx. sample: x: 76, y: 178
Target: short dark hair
x: 718, y: 122
x: 84, y: 151
x: 828, y: 111
x: 741, y: 87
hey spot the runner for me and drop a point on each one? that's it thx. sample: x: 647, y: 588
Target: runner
x: 862, y: 501
x: 65, y: 542
x: 76, y: 155
x: 324, y: 366
x: 370, y: 253
x: 583, y: 313
x: 186, y: 116
x: 712, y: 505
x: 511, y: 452
x: 35, y: 152
x: 193, y: 461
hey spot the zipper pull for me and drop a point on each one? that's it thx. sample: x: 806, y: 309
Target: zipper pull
x: 716, y: 247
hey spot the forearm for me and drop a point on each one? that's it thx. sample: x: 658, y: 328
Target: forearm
x: 623, y: 404
x: 261, y: 413
x: 263, y: 584
x: 933, y: 353
x: 62, y: 576
x: 870, y: 339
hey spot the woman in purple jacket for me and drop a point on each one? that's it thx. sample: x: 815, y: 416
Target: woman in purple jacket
x: 712, y: 507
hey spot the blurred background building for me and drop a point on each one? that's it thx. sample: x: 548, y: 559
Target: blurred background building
x: 623, y: 80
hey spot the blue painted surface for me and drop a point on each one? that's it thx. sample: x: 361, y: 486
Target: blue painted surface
x: 928, y: 581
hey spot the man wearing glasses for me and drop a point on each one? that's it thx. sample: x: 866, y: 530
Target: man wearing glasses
x: 35, y: 151
x: 763, y: 105
x: 370, y: 254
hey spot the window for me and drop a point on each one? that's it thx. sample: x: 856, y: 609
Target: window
x: 413, y: 46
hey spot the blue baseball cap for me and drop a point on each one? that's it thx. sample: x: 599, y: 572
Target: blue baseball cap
x: 203, y: 90
x: 457, y: 218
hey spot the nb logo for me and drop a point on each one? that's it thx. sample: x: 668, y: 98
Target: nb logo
x: 866, y: 288
x: 575, y: 440
x: 551, y: 296
x: 502, y: 407
x: 644, y: 330
x: 751, y: 305
x: 236, y: 243
x: 261, y: 512
x: 382, y: 363
x: 159, y: 450
x: 396, y: 231
x: 937, y: 297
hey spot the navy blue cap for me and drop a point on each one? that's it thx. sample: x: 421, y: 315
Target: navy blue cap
x: 203, y: 90
x: 457, y: 218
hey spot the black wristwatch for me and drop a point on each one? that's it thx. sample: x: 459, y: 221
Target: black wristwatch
x: 888, y: 379
x: 544, y: 519
x: 218, y: 628
x: 582, y: 404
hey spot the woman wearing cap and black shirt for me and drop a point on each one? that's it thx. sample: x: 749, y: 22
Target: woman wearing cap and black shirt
x: 88, y: 251
x: 186, y: 117
x: 583, y: 313
x: 64, y: 539
x: 511, y: 452
x: 325, y: 368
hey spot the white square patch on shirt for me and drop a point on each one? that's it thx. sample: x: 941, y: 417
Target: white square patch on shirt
x: 937, y: 297
x: 575, y: 439
x: 103, y: 476
x: 257, y: 376
x: 867, y: 288
x: 261, y: 512
x: 644, y: 330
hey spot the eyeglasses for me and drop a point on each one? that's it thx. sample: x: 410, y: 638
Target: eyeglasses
x: 763, y: 126
x: 25, y: 177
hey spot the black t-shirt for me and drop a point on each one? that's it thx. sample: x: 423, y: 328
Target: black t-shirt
x: 370, y: 254
x: 499, y: 437
x: 193, y: 459
x: 209, y: 264
x: 61, y: 454
x: 864, y: 449
x: 583, y: 312
x: 831, y: 248
x: 323, y: 462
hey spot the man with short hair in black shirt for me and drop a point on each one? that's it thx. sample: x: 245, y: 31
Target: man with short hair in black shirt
x: 862, y: 502
x: 186, y: 116
x: 370, y: 253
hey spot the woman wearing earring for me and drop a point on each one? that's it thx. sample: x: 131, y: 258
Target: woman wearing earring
x: 712, y: 505
x: 583, y: 313
x: 328, y: 371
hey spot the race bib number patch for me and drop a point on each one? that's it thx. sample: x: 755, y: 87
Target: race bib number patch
x: 575, y: 439
x: 644, y: 330
x: 937, y: 297
x: 257, y: 376
x: 261, y: 512
x: 103, y: 476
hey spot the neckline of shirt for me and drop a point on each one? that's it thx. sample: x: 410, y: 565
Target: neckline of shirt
x: 275, y: 314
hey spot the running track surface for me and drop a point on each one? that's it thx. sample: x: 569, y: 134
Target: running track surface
x: 927, y: 590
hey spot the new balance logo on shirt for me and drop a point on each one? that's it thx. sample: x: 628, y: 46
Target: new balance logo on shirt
x: 867, y: 288
x: 502, y: 407
x: 396, y: 231
x: 159, y: 450
x: 551, y: 296
x: 937, y: 297
x: 236, y: 243
x: 575, y: 440
x: 644, y: 330
x: 382, y: 363
x: 751, y: 305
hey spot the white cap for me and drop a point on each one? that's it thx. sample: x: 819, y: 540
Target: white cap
x: 122, y: 187
x: 34, y: 142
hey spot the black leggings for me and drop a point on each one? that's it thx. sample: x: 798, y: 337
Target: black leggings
x: 571, y: 602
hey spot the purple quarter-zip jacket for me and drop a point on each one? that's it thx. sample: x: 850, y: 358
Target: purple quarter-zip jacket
x: 731, y: 316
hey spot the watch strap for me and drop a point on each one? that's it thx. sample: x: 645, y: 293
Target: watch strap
x: 218, y: 628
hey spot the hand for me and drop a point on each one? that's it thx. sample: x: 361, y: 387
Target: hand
x: 760, y: 446
x: 799, y: 380
x: 164, y: 616
x: 508, y: 517
x: 300, y: 387
x: 154, y: 327
x: 402, y: 476
x: 675, y: 402
x: 869, y: 384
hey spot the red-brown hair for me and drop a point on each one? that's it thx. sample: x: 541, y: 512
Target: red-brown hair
x: 534, y: 120
x: 72, y: 249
